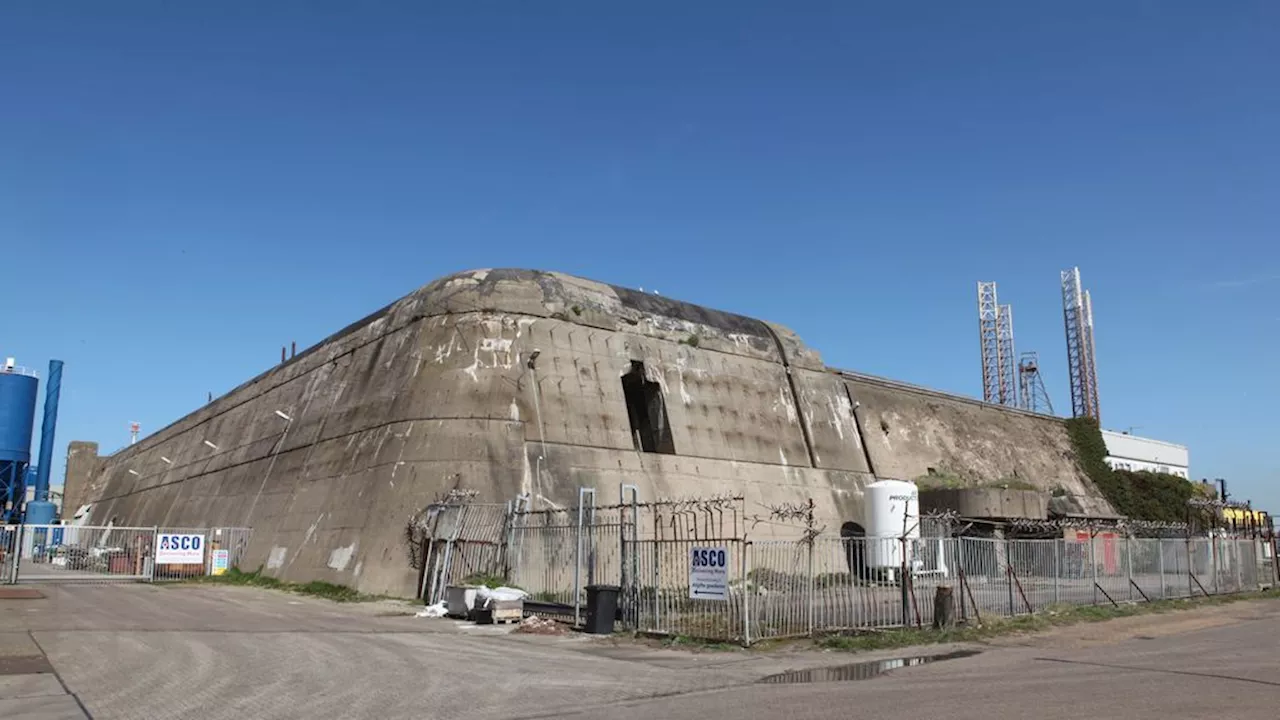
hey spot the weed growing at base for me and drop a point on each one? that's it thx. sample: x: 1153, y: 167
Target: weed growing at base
x: 315, y: 588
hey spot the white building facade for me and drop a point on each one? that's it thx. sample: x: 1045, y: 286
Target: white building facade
x: 1130, y: 452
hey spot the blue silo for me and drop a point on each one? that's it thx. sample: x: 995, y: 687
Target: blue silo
x: 40, y: 511
x: 18, y: 391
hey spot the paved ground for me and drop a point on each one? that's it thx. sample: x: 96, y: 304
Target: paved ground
x: 139, y: 651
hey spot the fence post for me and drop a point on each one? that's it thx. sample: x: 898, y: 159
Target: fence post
x: 902, y: 582
x: 746, y: 595
x: 1128, y: 559
x: 657, y: 586
x: 1160, y: 564
x: 1008, y: 579
x: 577, y: 556
x: 809, y: 598
x: 1239, y: 553
x: 1057, y: 569
x: 17, y: 553
x: 1191, y: 568
x: 1213, y: 552
x: 150, y: 571
x: 1093, y: 566
x: 1275, y: 560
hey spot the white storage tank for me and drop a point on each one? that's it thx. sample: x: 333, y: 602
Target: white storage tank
x: 892, y: 508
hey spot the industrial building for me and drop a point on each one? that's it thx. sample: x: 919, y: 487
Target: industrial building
x: 1130, y: 452
x: 24, y: 488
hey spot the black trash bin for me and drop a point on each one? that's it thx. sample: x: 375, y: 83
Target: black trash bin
x: 602, y: 608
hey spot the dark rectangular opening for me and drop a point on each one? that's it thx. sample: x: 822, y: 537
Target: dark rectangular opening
x: 647, y: 411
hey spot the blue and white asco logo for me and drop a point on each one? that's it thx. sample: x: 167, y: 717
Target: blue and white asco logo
x: 709, y: 558
x: 181, y: 542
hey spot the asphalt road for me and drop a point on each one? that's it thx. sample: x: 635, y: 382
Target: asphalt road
x: 140, y: 651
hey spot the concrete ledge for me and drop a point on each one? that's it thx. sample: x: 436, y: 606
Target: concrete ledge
x: 987, y: 502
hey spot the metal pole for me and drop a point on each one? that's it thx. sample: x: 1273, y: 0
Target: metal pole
x: 1213, y: 551
x: 151, y: 569
x: 1275, y: 561
x: 630, y: 564
x: 1057, y: 570
x: 809, y: 602
x: 1008, y: 580
x: 1160, y: 555
x: 1128, y: 559
x: 657, y: 584
x: 746, y: 596
x: 902, y: 582
x: 577, y: 567
x: 17, y: 554
x: 1093, y: 566
x: 1239, y: 554
x: 1191, y: 568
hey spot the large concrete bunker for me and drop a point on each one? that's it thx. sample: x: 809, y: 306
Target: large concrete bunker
x: 509, y: 382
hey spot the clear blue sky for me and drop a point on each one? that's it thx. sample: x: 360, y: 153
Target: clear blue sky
x: 185, y: 187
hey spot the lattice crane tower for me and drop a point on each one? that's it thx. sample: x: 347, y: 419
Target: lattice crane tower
x: 1082, y: 368
x: 1034, y: 396
x: 995, y: 335
x: 1008, y: 369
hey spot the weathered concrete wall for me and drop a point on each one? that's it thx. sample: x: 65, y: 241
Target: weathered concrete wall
x: 986, y: 502
x: 328, y: 455
x: 912, y: 433
x: 83, y: 463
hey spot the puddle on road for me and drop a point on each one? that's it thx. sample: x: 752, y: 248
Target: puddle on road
x: 859, y: 671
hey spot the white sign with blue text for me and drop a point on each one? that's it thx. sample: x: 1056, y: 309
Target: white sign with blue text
x: 179, y: 549
x: 709, y: 573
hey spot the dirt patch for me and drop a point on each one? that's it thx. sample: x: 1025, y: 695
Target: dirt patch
x: 20, y: 594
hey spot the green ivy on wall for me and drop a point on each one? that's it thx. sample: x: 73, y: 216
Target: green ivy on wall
x: 1138, y: 495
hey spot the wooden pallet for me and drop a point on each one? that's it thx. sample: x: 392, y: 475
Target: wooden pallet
x: 500, y: 613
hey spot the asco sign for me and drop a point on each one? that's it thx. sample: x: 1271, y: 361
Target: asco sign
x: 709, y: 573
x: 179, y: 549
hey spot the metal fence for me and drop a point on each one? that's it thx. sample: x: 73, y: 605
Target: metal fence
x: 456, y: 541
x: 780, y: 589
x: 108, y: 554
x: 660, y: 598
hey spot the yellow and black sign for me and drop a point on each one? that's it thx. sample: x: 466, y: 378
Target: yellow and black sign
x: 1242, y: 517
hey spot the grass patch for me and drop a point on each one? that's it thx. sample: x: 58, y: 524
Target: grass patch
x: 315, y: 588
x: 489, y: 581
x: 952, y: 481
x: 1044, y: 620
x: 692, y: 643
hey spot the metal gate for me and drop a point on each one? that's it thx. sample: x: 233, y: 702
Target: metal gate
x: 85, y: 554
x: 74, y: 554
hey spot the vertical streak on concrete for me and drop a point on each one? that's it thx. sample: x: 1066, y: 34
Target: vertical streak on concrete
x: 302, y: 473
x: 280, y: 446
x: 542, y: 434
x: 857, y: 427
x: 795, y: 397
